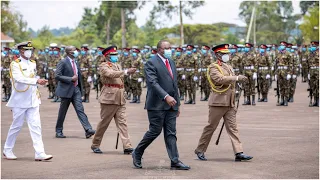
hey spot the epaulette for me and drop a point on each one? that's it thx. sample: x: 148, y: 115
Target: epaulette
x: 17, y: 60
x: 33, y: 61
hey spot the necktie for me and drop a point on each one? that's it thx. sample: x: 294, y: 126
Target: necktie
x: 74, y: 72
x: 168, y: 67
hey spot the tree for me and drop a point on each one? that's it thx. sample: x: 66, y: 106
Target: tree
x: 44, y: 38
x: 87, y: 23
x: 310, y: 24
x: 305, y: 5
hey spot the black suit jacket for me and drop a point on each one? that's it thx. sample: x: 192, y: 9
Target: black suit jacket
x: 64, y: 75
x: 160, y: 83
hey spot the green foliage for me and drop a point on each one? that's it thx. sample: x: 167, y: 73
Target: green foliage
x: 305, y: 5
x: 310, y: 25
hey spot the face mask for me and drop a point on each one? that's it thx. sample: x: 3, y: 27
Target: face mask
x: 50, y: 52
x: 114, y: 59
x: 125, y: 53
x: 313, y: 49
x: 204, y: 51
x: 189, y: 52
x: 225, y: 58
x: 5, y: 52
x: 282, y: 47
x: 246, y: 49
x: 172, y: 50
x: 27, y: 53
x: 152, y: 55
x: 39, y: 52
x: 304, y: 49
x: 167, y: 53
x: 83, y: 52
x: 194, y: 50
x: 46, y: 50
x: 183, y: 49
x: 146, y: 50
x: 262, y: 50
x: 292, y: 50
x: 239, y: 49
x: 268, y: 49
x: 55, y: 52
x: 62, y: 49
x: 100, y: 52
x: 93, y: 52
x: 288, y: 49
x: 273, y: 48
x: 178, y: 53
x: 134, y: 54
x: 75, y: 53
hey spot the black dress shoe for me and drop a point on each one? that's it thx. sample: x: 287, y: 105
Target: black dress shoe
x: 242, y: 157
x: 179, y: 166
x: 96, y: 150
x: 128, y: 151
x: 60, y: 135
x: 201, y: 156
x: 136, y: 161
x: 90, y: 133
x: 188, y: 102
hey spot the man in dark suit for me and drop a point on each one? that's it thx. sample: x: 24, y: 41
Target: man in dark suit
x: 70, y: 89
x: 162, y: 104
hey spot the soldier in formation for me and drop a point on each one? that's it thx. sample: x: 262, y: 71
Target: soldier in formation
x: 85, y: 62
x: 6, y: 59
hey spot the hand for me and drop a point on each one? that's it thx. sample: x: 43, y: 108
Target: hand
x: 42, y: 81
x: 288, y: 77
x: 195, y: 78
x: 139, y: 79
x: 272, y: 68
x: 242, y: 78
x: 294, y: 76
x: 170, y: 100
x: 95, y: 76
x: 183, y: 77
x: 74, y: 78
x: 309, y: 76
x: 268, y: 76
x: 254, y: 76
x: 131, y: 70
x: 275, y: 77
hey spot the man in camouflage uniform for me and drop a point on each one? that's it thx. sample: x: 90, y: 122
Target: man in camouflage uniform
x: 41, y: 64
x: 191, y: 67
x: 236, y: 62
x: 85, y: 62
x: 125, y: 62
x: 294, y: 68
x: 250, y: 71
x: 264, y: 72
x: 283, y: 73
x: 100, y: 58
x: 136, y: 78
x: 205, y: 60
x: 313, y: 76
x: 50, y: 72
x: 177, y: 58
x: 303, y: 61
x: 5, y: 64
x: 55, y: 58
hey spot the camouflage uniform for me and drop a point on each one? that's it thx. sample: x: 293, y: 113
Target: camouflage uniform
x: 99, y: 60
x: 304, y: 66
x: 55, y: 59
x: 51, y: 78
x: 191, y: 68
x: 205, y: 61
x: 313, y: 64
x: 249, y: 68
x: 180, y: 64
x: 85, y: 62
x: 236, y: 64
x: 125, y: 62
x: 41, y: 65
x: 264, y: 69
x: 295, y: 72
x: 5, y: 63
x: 135, y: 85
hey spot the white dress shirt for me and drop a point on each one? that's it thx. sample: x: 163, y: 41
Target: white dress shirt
x: 75, y: 65
x: 25, y: 92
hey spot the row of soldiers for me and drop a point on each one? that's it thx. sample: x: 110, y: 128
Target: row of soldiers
x: 262, y: 65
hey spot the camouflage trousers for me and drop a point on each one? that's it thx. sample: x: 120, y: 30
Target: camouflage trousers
x: 304, y: 72
x: 249, y: 85
x: 292, y: 86
x: 86, y: 85
x: 51, y: 81
x: 6, y: 84
x: 181, y: 85
x: 263, y: 85
x: 127, y: 84
x: 136, y: 87
x: 283, y: 85
x: 314, y: 82
x: 205, y: 86
x: 191, y: 85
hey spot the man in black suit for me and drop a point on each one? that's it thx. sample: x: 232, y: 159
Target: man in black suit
x: 162, y: 104
x: 70, y: 89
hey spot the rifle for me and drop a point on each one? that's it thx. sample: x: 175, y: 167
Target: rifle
x: 310, y: 93
x: 278, y: 88
x: 117, y: 140
x: 258, y: 88
x: 238, y: 98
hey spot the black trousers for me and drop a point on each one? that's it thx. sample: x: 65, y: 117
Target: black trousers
x: 78, y: 107
x: 157, y: 121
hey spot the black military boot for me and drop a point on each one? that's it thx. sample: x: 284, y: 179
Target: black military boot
x: 247, y: 102
x: 59, y: 99
x: 55, y: 99
x: 128, y: 96
x: 134, y: 99
x: 265, y: 99
x: 190, y: 99
x: 87, y: 98
x: 138, y: 100
x: 281, y: 103
x: 316, y: 102
x: 261, y: 99
x: 50, y: 96
x: 84, y: 99
x: 182, y: 96
x: 285, y: 103
x: 194, y: 98
x: 5, y: 98
x: 253, y: 100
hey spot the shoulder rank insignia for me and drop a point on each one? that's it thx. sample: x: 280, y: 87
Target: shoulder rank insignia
x: 17, y: 60
x: 33, y: 61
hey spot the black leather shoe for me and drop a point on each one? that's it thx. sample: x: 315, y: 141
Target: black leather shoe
x: 201, y: 156
x: 136, y: 161
x: 242, y: 157
x: 59, y: 100
x: 188, y: 102
x: 128, y: 151
x: 203, y: 99
x: 60, y: 135
x: 265, y: 100
x: 179, y: 166
x: 96, y: 150
x: 90, y: 133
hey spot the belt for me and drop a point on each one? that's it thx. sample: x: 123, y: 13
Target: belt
x: 283, y: 67
x: 180, y: 69
x: 120, y: 86
x: 93, y: 66
x: 5, y: 69
x: 314, y: 67
x: 137, y: 71
x: 50, y: 68
x: 54, y: 69
x: 190, y: 69
x: 303, y: 59
x: 84, y: 69
x: 236, y: 69
x: 263, y: 68
x: 249, y: 67
x: 202, y: 69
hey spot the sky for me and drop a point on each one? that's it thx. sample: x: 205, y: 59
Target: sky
x: 60, y: 13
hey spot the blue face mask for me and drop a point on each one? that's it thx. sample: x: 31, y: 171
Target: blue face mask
x: 268, y: 49
x: 167, y: 53
x: 288, y: 49
x: 282, y: 47
x: 134, y: 54
x: 62, y: 49
x: 257, y: 49
x: 55, y: 52
x: 173, y: 50
x: 273, y: 48
x: 152, y: 55
x: 313, y: 49
x: 292, y: 50
x: 47, y: 50
x: 183, y: 49
x: 146, y: 50
x: 204, y: 51
x: 75, y: 54
x: 39, y: 52
x: 194, y: 50
x: 99, y: 52
x: 304, y: 49
x: 246, y: 49
x: 262, y: 50
x: 83, y: 52
x: 50, y: 52
x: 239, y: 49
x: 178, y: 53
x: 114, y: 59
x: 93, y: 52
x: 189, y: 52
x: 5, y: 52
x: 125, y: 53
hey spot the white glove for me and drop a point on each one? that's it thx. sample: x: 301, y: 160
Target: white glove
x: 268, y: 76
x: 89, y: 80
x: 200, y: 78
x: 254, y: 76
x: 139, y: 79
x: 275, y: 77
x: 300, y: 65
x: 288, y: 77
x: 309, y: 76
x: 95, y: 76
x: 37, y: 77
x: 47, y: 75
x: 45, y: 69
x: 183, y: 77
x: 294, y: 76
x: 272, y: 68
x: 195, y: 78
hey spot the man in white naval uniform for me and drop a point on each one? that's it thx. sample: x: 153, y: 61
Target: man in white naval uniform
x: 24, y: 102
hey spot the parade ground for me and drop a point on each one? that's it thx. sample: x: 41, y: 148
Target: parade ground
x: 284, y: 142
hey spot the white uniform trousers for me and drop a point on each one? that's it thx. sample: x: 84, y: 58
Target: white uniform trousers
x: 32, y: 116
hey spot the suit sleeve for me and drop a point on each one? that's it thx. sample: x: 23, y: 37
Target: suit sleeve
x: 152, y: 80
x: 59, y: 76
x: 218, y: 78
x: 105, y: 71
x: 19, y: 77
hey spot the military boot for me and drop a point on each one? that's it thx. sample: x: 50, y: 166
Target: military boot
x: 128, y: 96
x: 55, y: 99
x: 5, y: 98
x: 285, y: 103
x: 182, y: 96
x: 138, y: 100
x: 84, y: 99
x: 253, y: 100
x: 87, y: 98
x: 194, y: 98
x: 265, y: 99
x: 261, y: 99
x: 59, y: 99
x: 50, y: 96
x: 189, y: 101
x: 247, y: 102
x: 316, y: 102
x: 134, y: 99
x: 203, y: 99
